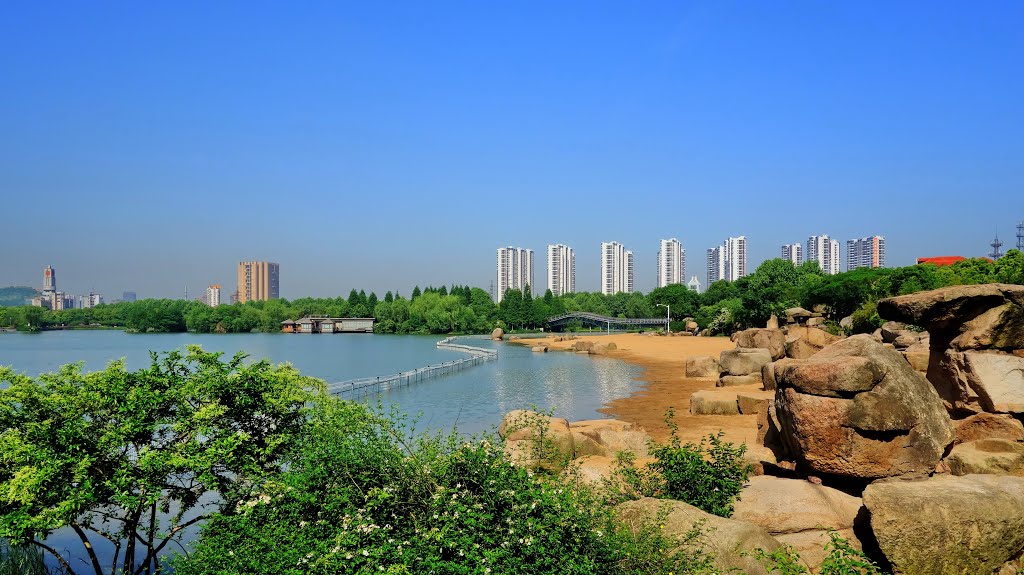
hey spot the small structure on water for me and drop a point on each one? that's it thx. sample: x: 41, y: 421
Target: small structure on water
x: 324, y: 324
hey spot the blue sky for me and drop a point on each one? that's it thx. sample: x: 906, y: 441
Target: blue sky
x: 151, y: 146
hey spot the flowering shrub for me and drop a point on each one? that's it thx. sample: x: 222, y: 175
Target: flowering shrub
x: 363, y: 495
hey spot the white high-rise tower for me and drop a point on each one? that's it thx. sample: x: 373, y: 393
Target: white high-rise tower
x: 671, y: 263
x: 825, y: 251
x: 515, y: 270
x: 561, y: 269
x: 793, y: 253
x: 616, y: 269
x: 735, y: 256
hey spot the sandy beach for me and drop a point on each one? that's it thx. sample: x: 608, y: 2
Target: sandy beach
x: 663, y: 360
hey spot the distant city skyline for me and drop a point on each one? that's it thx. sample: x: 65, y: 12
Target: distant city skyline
x: 379, y: 147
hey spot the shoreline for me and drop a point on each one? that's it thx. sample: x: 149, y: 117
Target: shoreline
x: 663, y: 361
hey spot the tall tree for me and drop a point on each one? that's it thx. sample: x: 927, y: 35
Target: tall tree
x: 129, y: 456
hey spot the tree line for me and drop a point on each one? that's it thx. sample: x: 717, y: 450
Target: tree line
x: 726, y: 306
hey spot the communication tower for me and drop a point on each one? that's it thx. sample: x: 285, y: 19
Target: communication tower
x: 1020, y: 236
x: 996, y: 244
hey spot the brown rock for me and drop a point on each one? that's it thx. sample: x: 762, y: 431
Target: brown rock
x: 771, y: 339
x: 734, y: 380
x: 539, y: 349
x: 987, y: 456
x: 992, y: 379
x: 797, y: 315
x: 773, y: 322
x: 858, y: 410
x: 918, y: 361
x: 533, y: 439
x: 608, y: 437
x: 702, y: 367
x: 989, y: 426
x: 714, y: 402
x: 989, y: 316
x: 498, y: 334
x: 815, y: 321
x: 728, y: 540
x: 754, y: 402
x: 891, y: 330
x: 947, y: 524
x: 742, y: 361
x: 794, y: 505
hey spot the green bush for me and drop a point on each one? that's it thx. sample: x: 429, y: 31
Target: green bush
x: 866, y: 319
x: 708, y: 475
x: 366, y: 495
x: 840, y: 559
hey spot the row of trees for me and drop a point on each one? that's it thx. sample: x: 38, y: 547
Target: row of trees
x: 775, y: 286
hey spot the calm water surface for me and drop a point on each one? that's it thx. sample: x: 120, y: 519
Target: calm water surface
x: 473, y: 400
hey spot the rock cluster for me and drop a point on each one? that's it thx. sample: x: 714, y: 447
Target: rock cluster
x: 974, y: 334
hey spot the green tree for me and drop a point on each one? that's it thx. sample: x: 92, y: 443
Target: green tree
x: 128, y: 455
x: 416, y: 293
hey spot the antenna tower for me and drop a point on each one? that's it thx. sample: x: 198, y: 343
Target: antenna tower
x: 1020, y: 236
x: 996, y: 244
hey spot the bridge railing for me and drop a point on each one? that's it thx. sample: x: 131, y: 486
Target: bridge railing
x: 374, y: 385
x: 604, y: 319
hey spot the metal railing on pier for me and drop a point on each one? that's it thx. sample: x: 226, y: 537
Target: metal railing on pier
x: 373, y: 385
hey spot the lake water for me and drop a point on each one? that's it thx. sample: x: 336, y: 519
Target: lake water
x: 473, y: 400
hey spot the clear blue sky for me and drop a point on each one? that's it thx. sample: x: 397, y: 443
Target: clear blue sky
x: 149, y: 146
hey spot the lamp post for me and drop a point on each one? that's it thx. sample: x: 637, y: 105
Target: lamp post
x: 668, y: 318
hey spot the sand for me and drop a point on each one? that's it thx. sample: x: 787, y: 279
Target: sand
x: 664, y: 359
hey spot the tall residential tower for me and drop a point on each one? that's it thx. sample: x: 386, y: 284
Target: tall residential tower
x: 515, y: 270
x: 865, y: 253
x: 258, y: 281
x: 825, y: 251
x: 616, y: 269
x: 793, y: 253
x: 671, y: 263
x: 728, y: 261
x: 561, y: 269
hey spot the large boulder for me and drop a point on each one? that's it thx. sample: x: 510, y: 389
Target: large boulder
x: 803, y: 342
x: 729, y: 540
x: 498, y: 334
x: 608, y: 437
x: 536, y: 440
x: 743, y: 361
x: 989, y: 316
x: 702, y: 367
x: 857, y: 409
x: 989, y: 426
x: 771, y: 339
x: 945, y: 524
x: 988, y: 456
x: 799, y: 513
x: 991, y: 380
x: 734, y: 380
x: 797, y: 315
x: 714, y: 402
x: 973, y: 332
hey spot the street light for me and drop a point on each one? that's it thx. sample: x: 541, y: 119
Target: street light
x: 668, y: 318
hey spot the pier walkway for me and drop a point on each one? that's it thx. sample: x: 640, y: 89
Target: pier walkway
x: 374, y: 385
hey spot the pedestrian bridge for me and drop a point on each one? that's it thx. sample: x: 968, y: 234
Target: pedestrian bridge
x: 559, y: 322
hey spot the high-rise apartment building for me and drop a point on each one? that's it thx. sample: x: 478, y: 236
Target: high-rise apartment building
x: 616, y: 268
x: 212, y: 298
x: 825, y: 251
x: 561, y: 269
x: 865, y: 253
x: 793, y: 253
x: 671, y: 263
x: 716, y: 265
x: 128, y: 296
x: 258, y: 281
x: 728, y: 261
x: 515, y: 270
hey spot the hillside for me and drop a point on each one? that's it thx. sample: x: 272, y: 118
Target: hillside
x: 17, y: 295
